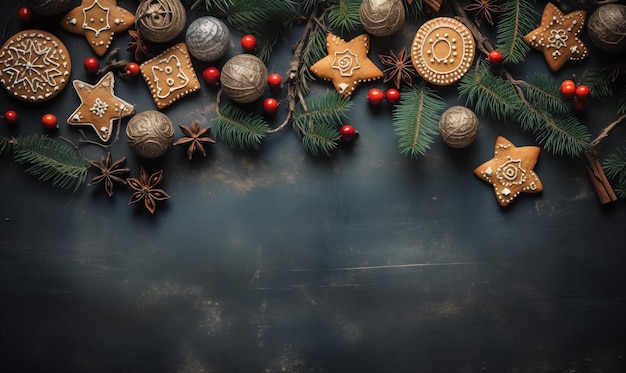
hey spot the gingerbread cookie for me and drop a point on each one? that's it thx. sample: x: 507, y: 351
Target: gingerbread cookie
x: 510, y: 171
x: 99, y: 107
x: 347, y: 63
x: 170, y: 75
x: 98, y: 21
x: 442, y: 51
x: 557, y: 36
x: 34, y: 66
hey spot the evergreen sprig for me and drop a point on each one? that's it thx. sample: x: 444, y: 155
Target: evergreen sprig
x: 416, y: 119
x: 314, y: 51
x: 488, y: 93
x: 212, y: 6
x: 343, y: 16
x: 239, y: 129
x: 615, y: 168
x: 621, y: 103
x: 518, y: 18
x: 600, y: 83
x: 51, y: 161
x: 5, y: 137
x: 543, y: 92
x: 414, y: 10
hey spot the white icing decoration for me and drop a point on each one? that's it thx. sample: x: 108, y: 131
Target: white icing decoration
x: 343, y: 87
x: 99, y: 108
x: 506, y: 192
x: 95, y: 6
x: 557, y: 39
x: 346, y: 62
x: 488, y: 171
x: 164, y: 92
x: 73, y: 21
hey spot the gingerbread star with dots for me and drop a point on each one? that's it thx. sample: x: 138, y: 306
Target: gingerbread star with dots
x: 510, y: 171
x: 99, y: 107
x: 347, y: 63
x: 98, y: 21
x: 558, y: 36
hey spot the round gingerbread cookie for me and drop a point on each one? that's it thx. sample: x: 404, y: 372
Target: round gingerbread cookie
x: 34, y: 65
x: 442, y: 51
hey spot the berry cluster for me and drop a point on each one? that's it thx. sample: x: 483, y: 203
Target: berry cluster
x: 578, y: 93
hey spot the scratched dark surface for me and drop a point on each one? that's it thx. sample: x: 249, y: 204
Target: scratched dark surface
x: 277, y: 262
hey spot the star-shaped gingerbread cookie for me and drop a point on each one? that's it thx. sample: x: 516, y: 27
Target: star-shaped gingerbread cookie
x: 510, y: 171
x: 557, y: 36
x: 98, y: 21
x: 347, y: 63
x: 99, y: 107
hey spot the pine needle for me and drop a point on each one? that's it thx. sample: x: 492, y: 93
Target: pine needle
x: 416, y: 120
x: 414, y: 10
x: 518, y: 18
x: 321, y: 139
x: 543, y: 92
x: 488, y: 94
x: 615, y: 168
x: 58, y: 163
x: 600, y: 83
x: 343, y: 16
x: 240, y: 130
x: 314, y: 51
x: 621, y: 103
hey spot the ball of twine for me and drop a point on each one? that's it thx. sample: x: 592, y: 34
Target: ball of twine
x: 458, y: 126
x: 244, y: 78
x: 382, y: 17
x: 207, y: 38
x: 150, y: 133
x: 160, y: 20
x: 607, y: 28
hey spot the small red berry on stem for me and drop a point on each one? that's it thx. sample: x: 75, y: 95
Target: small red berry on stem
x: 270, y: 105
x: 568, y: 89
x: 392, y: 95
x: 91, y: 65
x: 275, y: 80
x: 49, y: 121
x: 347, y: 133
x: 132, y: 69
x: 10, y: 117
x: 580, y: 104
x: 248, y: 43
x: 375, y: 96
x: 582, y: 92
x: 495, y: 57
x: 25, y: 14
x: 211, y: 75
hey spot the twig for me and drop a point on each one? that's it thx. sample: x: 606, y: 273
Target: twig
x: 68, y: 141
x: 85, y: 140
x: 604, y: 133
x: 112, y: 63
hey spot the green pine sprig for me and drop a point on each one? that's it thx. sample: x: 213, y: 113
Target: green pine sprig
x: 543, y: 92
x: 621, y: 103
x: 415, y: 10
x: 416, y: 119
x: 239, y: 129
x: 343, y: 16
x: 517, y: 19
x: 314, y: 51
x: 5, y: 137
x: 212, y: 6
x: 615, y: 168
x: 600, y: 83
x: 488, y: 93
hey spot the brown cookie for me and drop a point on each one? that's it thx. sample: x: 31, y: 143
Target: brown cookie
x: 170, y: 75
x: 558, y: 36
x: 443, y: 50
x: 98, y: 21
x: 34, y: 65
x: 510, y: 171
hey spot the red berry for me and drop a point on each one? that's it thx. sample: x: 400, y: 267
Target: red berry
x: 10, y: 117
x: 582, y: 92
x: 132, y: 69
x: 91, y: 65
x: 347, y: 133
x: 248, y: 43
x: 375, y: 96
x: 392, y: 95
x: 49, y: 121
x: 580, y: 104
x: 211, y: 75
x: 568, y: 89
x: 495, y: 57
x: 25, y: 14
x: 270, y: 105
x: 274, y: 80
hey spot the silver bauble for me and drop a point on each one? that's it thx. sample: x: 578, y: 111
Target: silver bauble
x: 244, y: 78
x: 160, y: 20
x: 49, y: 7
x: 458, y: 126
x: 208, y: 39
x: 607, y: 28
x: 150, y: 133
x: 382, y: 17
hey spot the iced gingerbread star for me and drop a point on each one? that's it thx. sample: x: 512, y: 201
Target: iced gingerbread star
x: 510, y: 171
x: 347, y: 63
x: 98, y: 21
x: 558, y: 36
x: 99, y: 107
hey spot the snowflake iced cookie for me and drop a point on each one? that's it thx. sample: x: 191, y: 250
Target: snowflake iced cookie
x: 346, y: 64
x: 34, y: 66
x: 510, y: 171
x: 98, y: 21
x: 99, y: 107
x: 558, y: 36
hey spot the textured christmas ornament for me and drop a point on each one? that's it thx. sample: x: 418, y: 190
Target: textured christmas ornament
x: 510, y: 171
x: 150, y: 133
x: 208, y: 39
x: 99, y: 107
x: 160, y: 20
x: 382, y: 17
x: 98, y: 21
x: 49, y: 7
x: 347, y: 63
x: 458, y: 126
x: 35, y: 66
x: 557, y: 36
x: 244, y: 78
x: 607, y: 28
x: 442, y: 51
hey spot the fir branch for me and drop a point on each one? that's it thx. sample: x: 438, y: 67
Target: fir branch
x: 51, y: 161
x: 6, y: 139
x: 414, y: 10
x: 320, y: 139
x: 615, y: 168
x: 621, y: 103
x: 343, y: 16
x: 416, y: 119
x: 543, y: 92
x: 240, y: 130
x: 314, y: 51
x: 488, y: 94
x: 517, y: 19
x: 211, y: 6
x: 600, y: 83
x: 263, y: 18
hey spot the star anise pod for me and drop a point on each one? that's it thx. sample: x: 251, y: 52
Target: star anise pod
x: 194, y: 137
x: 484, y: 10
x: 139, y: 47
x: 109, y: 172
x: 400, y: 69
x: 146, y: 190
